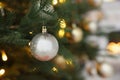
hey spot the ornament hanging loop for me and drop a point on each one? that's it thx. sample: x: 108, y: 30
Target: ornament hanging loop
x: 44, y: 29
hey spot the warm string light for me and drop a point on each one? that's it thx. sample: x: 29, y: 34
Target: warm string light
x: 61, y: 33
x: 2, y: 72
x: 1, y: 5
x: 62, y: 1
x: 31, y: 32
x: 29, y: 43
x: 62, y: 24
x: 54, y: 69
x: 1, y: 9
x: 114, y: 48
x: 55, y: 2
x: 69, y: 62
x: 4, y: 56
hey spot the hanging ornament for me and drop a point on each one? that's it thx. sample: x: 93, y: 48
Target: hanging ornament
x: 77, y: 33
x: 44, y: 46
x: 104, y: 69
x: 1, y: 9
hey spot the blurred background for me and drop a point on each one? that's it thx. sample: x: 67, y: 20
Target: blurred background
x: 87, y: 33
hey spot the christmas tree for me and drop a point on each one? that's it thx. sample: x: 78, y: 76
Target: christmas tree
x: 22, y: 20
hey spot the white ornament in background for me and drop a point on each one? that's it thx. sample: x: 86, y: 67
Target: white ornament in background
x: 93, y: 15
x: 106, y: 69
x: 99, y: 41
x: 44, y: 46
x: 77, y: 33
x: 93, y: 27
x: 111, y: 19
x: 92, y: 40
x: 103, y: 42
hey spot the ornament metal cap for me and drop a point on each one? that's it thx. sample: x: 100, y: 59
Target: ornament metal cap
x: 44, y: 29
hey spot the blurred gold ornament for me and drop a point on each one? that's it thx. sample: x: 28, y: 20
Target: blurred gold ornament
x: 62, y: 23
x: 114, y: 48
x: 54, y: 2
x: 68, y: 35
x: 4, y: 56
x: 105, y: 69
x: 2, y: 72
x: 1, y: 5
x: 61, y: 33
x: 77, y: 33
x: 60, y: 62
x: 63, y: 63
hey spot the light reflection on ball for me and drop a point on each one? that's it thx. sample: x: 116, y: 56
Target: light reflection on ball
x: 44, y: 47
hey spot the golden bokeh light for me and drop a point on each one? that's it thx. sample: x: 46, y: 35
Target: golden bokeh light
x: 54, y: 2
x: 69, y: 62
x: 1, y: 5
x: 62, y: 23
x: 2, y: 72
x: 61, y: 33
x: 4, y: 56
x: 31, y: 32
x: 54, y: 69
x: 114, y: 48
x: 62, y: 1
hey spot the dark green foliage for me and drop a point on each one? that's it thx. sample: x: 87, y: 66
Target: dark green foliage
x: 14, y: 36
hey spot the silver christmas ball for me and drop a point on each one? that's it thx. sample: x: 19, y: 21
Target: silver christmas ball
x: 44, y: 46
